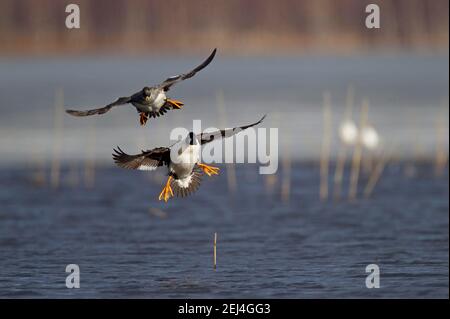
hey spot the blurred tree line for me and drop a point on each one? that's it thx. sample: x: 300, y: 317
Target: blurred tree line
x: 236, y: 26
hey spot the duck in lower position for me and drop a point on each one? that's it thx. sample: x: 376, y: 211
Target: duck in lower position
x: 182, y: 161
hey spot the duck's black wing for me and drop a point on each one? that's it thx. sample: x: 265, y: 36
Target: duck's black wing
x: 102, y: 110
x: 177, y: 78
x: 211, y: 136
x: 147, y: 160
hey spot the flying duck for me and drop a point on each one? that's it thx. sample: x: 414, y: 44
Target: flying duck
x: 150, y: 101
x: 182, y: 160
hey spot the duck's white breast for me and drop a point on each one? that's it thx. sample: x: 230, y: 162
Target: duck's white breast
x: 160, y: 99
x: 183, y: 164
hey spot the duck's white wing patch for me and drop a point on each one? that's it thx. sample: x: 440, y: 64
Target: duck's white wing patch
x: 147, y: 168
x: 147, y: 160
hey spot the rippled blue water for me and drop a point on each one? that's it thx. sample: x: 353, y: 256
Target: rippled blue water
x: 128, y: 244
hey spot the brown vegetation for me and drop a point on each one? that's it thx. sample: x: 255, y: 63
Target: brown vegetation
x: 236, y: 26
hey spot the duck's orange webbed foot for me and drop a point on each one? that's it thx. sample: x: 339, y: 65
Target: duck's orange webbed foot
x: 167, y: 192
x: 175, y: 104
x: 143, y: 117
x: 209, y: 170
